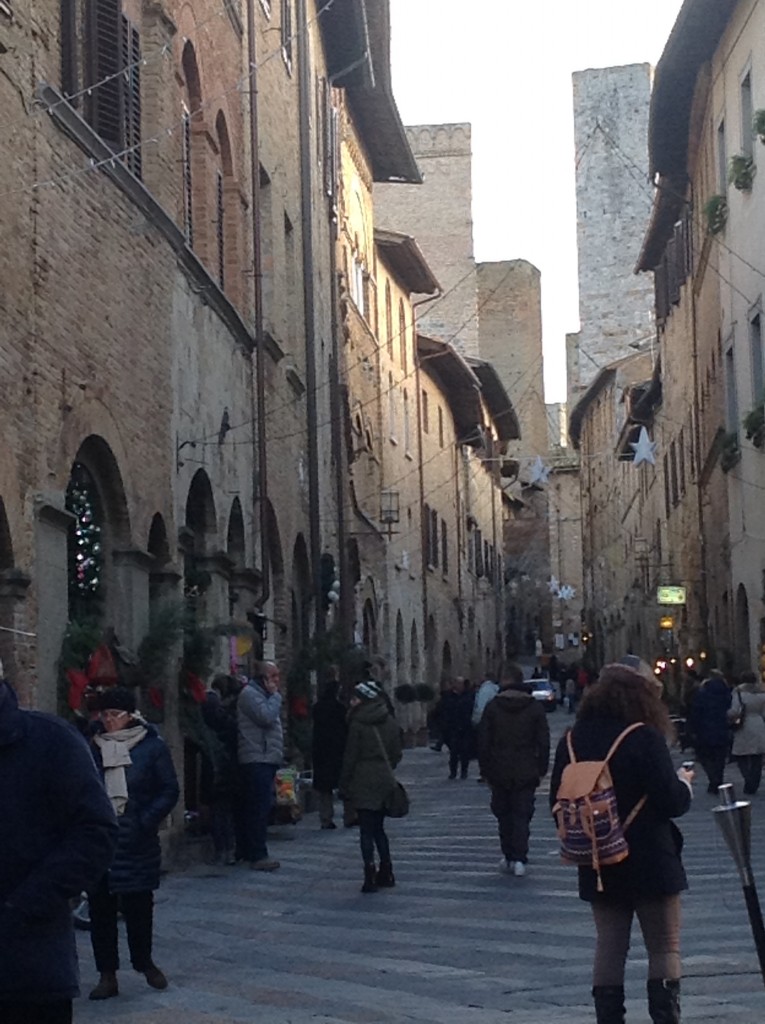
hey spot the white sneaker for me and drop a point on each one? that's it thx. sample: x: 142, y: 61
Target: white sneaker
x: 519, y: 868
x: 505, y: 866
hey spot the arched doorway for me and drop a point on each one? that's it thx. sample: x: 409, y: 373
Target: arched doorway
x: 446, y: 664
x: 431, y: 655
x: 414, y: 655
x: 197, y: 541
x: 743, y: 651
x: 300, y: 596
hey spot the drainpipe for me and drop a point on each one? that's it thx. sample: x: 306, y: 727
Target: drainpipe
x: 260, y: 454
x: 309, y: 306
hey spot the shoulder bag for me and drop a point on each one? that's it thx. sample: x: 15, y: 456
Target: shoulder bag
x: 739, y: 718
x: 396, y: 804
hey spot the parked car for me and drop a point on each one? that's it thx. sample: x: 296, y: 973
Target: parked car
x: 544, y: 691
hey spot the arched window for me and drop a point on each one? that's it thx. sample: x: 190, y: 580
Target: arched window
x: 388, y: 318
x: 402, y: 334
x: 191, y: 164
x: 407, y: 430
x: 227, y: 223
x: 391, y: 407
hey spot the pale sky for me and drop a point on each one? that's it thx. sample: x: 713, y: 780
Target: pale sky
x: 505, y: 66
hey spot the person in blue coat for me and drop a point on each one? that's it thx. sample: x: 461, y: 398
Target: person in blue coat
x: 708, y: 721
x: 58, y: 835
x: 140, y: 780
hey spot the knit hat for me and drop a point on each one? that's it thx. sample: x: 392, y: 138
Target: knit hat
x: 367, y: 691
x: 117, y: 698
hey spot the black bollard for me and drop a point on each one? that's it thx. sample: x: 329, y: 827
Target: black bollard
x: 735, y: 820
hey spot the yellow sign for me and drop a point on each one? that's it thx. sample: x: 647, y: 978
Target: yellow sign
x: 670, y: 595
x: 666, y: 622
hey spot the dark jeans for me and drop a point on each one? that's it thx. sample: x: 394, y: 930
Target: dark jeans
x: 660, y: 924
x: 459, y: 753
x: 259, y: 799
x: 750, y: 766
x: 137, y: 909
x: 58, y: 1012
x: 372, y: 834
x: 513, y: 808
x: 222, y: 825
x: 713, y: 762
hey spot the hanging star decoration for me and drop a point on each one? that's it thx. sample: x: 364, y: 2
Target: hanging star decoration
x: 644, y: 449
x: 566, y: 593
x: 554, y: 586
x: 540, y: 473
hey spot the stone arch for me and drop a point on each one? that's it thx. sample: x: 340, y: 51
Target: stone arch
x: 235, y: 541
x: 300, y: 595
x: 401, y: 672
x: 227, y: 214
x: 414, y: 654
x: 201, y: 518
x: 743, y: 639
x: 98, y: 535
x: 446, y: 662
x: 194, y: 146
x: 158, y: 545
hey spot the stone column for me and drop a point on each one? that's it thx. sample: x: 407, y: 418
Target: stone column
x: 215, y: 607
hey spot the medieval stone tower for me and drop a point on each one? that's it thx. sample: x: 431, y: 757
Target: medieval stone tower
x: 613, y: 198
x: 438, y: 214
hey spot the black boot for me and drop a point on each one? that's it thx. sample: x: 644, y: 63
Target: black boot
x: 369, y: 879
x: 384, y: 878
x: 609, y: 1004
x: 664, y: 1001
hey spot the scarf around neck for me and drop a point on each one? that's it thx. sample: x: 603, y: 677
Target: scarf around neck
x: 115, y: 750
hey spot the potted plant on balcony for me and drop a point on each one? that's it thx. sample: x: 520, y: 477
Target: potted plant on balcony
x: 754, y: 425
x: 758, y: 124
x: 741, y: 172
x: 716, y: 213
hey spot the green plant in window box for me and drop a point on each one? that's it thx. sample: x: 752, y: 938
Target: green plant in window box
x: 754, y: 425
x: 758, y: 124
x: 730, y: 451
x: 741, y: 172
x: 716, y: 213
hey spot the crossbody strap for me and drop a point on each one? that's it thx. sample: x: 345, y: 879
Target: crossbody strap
x: 384, y: 751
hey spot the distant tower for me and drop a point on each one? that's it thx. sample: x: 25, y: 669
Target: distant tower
x: 613, y: 199
x: 438, y: 214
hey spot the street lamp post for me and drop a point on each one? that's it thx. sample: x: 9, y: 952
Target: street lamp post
x: 734, y: 818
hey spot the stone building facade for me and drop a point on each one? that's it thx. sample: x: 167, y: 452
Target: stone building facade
x: 611, y: 132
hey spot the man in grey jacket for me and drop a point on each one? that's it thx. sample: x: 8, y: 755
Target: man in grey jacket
x: 261, y: 751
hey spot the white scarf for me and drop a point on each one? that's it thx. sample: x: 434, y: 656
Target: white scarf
x: 115, y: 756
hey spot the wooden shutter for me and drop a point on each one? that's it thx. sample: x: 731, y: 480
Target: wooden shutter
x: 131, y: 95
x: 104, y: 62
x: 220, y: 230
x: 188, y: 206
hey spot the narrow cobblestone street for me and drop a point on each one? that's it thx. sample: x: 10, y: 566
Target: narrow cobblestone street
x: 454, y: 942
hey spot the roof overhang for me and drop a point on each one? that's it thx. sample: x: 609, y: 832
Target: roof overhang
x: 695, y: 37
x: 357, y: 46
x: 497, y: 399
x: 404, y: 257
x: 461, y: 386
x: 629, y: 369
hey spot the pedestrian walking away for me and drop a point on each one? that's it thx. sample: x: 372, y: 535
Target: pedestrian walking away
x: 710, y: 729
x: 59, y: 832
x: 141, y: 783
x: 747, y: 715
x: 261, y: 752
x: 513, y: 753
x: 226, y: 824
x: 647, y: 883
x: 328, y: 746
x: 372, y: 750
x: 453, y: 715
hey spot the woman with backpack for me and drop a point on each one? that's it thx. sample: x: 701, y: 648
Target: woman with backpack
x: 747, y: 718
x: 648, y: 881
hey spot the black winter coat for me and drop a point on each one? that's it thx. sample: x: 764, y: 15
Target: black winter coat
x: 329, y: 735
x: 452, y: 714
x: 708, y: 719
x: 58, y: 834
x: 642, y: 766
x: 513, y: 740
x: 152, y: 793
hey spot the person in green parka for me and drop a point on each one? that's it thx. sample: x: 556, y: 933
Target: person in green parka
x: 372, y: 751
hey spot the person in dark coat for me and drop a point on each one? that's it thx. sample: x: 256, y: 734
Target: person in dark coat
x: 649, y: 882
x: 328, y: 746
x: 59, y: 832
x: 453, y: 713
x: 708, y: 721
x: 226, y: 820
x: 140, y: 780
x: 372, y: 751
x: 514, y: 753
